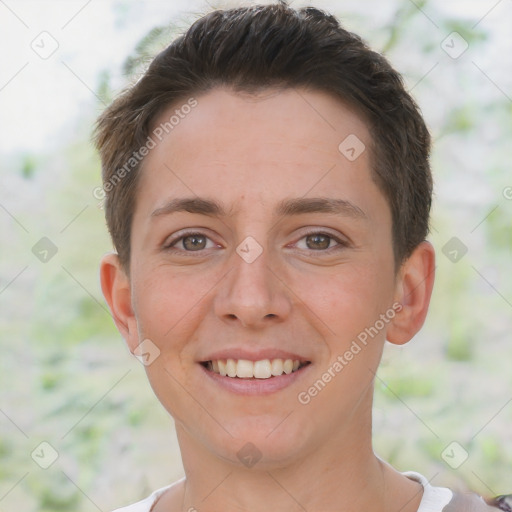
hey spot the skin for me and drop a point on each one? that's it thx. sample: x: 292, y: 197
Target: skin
x: 248, y: 153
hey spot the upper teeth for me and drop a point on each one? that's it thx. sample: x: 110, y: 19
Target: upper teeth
x: 263, y: 369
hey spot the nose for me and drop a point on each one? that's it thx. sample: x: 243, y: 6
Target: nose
x: 252, y: 294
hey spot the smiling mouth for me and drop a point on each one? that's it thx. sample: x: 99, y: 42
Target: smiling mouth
x: 245, y: 369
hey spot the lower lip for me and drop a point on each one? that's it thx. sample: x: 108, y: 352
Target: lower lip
x: 255, y: 386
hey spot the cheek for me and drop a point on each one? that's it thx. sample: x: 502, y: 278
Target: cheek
x: 167, y: 304
x: 347, y: 300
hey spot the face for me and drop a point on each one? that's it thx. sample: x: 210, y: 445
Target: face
x: 258, y: 247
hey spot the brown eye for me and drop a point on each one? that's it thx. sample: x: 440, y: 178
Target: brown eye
x: 191, y: 241
x: 318, y: 241
x: 194, y: 242
x: 321, y: 242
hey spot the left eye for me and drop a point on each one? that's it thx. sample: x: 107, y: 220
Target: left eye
x: 319, y: 241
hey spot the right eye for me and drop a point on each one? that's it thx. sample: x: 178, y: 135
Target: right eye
x: 190, y: 242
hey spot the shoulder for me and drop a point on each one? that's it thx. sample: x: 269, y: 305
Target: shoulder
x: 434, y: 498
x: 470, y: 502
x: 146, y: 504
x: 441, y: 499
x: 502, y: 502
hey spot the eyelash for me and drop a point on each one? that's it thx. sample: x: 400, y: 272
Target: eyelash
x: 341, y: 244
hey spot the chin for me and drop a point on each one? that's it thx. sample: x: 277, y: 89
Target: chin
x: 264, y: 442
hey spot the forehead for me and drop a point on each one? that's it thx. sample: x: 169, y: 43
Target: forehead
x: 312, y: 118
x: 258, y: 147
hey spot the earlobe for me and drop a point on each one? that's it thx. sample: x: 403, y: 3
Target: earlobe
x: 414, y: 286
x: 115, y: 285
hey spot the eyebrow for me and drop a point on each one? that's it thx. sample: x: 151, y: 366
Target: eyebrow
x: 285, y: 208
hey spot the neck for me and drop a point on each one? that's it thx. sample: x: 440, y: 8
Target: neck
x: 343, y: 475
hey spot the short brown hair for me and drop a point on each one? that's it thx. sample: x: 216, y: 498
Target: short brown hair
x: 250, y: 49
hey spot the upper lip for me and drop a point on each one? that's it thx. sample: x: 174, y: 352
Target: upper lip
x: 253, y: 355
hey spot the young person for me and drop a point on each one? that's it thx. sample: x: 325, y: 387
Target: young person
x: 268, y: 192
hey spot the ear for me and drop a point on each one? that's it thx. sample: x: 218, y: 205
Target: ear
x: 115, y: 285
x: 415, y: 281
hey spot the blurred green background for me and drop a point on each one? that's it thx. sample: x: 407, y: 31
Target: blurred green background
x: 66, y: 377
